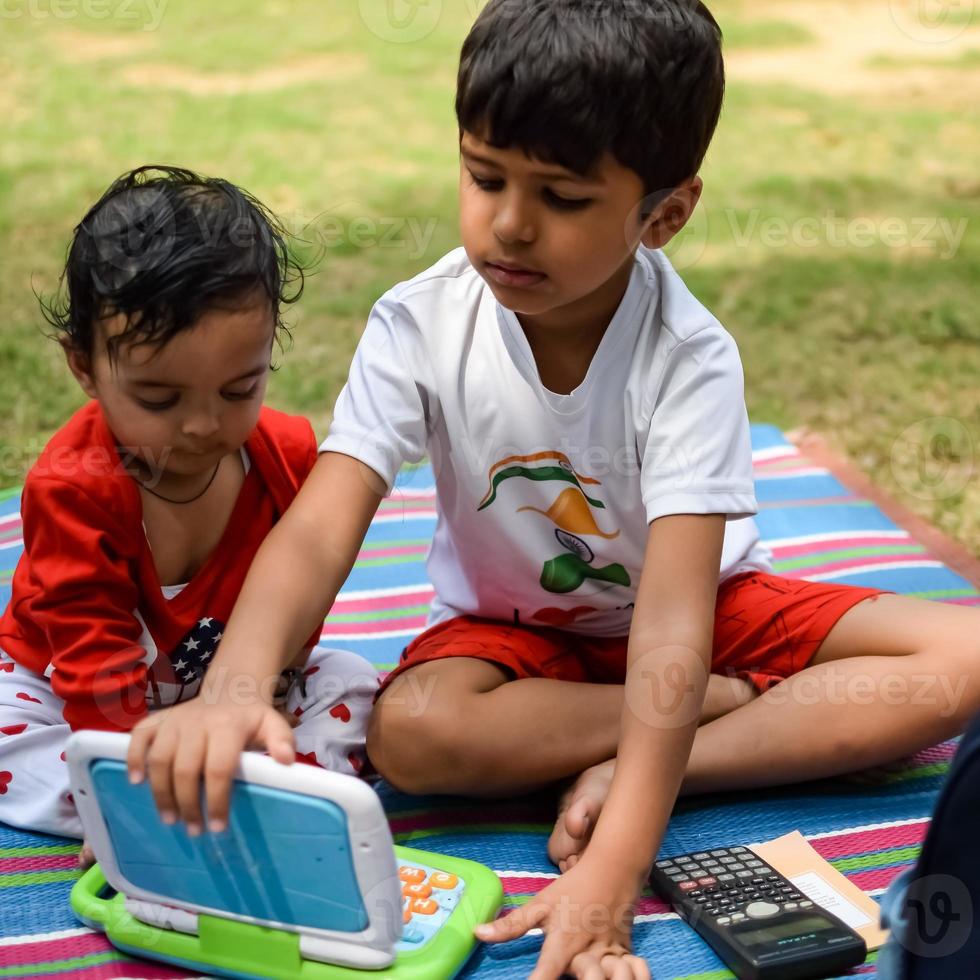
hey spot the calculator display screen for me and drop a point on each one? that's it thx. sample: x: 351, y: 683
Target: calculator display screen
x: 777, y: 931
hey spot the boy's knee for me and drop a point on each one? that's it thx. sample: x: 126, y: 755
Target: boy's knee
x: 413, y: 749
x: 956, y: 684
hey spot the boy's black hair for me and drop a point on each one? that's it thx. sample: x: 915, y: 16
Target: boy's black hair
x: 567, y: 80
x: 162, y: 247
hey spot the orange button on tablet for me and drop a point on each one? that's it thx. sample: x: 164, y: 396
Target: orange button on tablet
x: 424, y: 906
x: 440, y: 879
x: 416, y: 891
x: 412, y: 875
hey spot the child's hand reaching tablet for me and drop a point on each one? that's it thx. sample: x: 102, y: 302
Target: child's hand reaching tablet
x: 177, y: 746
x: 309, y: 882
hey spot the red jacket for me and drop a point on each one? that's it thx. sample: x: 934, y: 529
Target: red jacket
x: 87, y: 607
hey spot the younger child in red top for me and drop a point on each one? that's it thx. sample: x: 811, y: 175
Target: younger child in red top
x: 143, y: 514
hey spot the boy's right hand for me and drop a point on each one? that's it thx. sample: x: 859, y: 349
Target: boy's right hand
x: 177, y: 745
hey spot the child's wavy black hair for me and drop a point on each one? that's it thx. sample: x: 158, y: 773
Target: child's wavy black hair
x: 162, y: 247
x: 568, y: 80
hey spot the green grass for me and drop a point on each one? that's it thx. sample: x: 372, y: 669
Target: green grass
x: 333, y: 125
x: 765, y: 34
x: 965, y: 59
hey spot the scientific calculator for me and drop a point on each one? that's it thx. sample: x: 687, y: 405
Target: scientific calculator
x: 757, y: 921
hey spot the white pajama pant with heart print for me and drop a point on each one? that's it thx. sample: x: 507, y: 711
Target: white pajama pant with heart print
x: 332, y: 704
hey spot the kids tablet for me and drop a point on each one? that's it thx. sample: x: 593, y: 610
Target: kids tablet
x: 305, y: 882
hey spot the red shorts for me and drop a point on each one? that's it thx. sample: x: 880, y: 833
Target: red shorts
x: 766, y: 628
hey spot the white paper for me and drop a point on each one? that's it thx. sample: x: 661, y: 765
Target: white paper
x: 818, y: 890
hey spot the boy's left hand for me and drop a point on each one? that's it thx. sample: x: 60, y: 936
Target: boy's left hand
x: 586, y: 916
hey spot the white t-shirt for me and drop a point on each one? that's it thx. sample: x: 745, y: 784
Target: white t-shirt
x: 544, y: 499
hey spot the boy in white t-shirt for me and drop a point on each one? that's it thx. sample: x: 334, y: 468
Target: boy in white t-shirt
x: 595, y: 555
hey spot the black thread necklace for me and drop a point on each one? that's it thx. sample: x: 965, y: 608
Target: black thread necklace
x: 190, y: 500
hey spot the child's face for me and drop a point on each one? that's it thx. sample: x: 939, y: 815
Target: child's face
x: 183, y: 406
x: 543, y: 237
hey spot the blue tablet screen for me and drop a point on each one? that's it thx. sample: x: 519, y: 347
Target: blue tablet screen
x: 285, y: 856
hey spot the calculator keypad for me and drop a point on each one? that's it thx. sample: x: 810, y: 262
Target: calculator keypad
x: 730, y: 885
x: 429, y: 897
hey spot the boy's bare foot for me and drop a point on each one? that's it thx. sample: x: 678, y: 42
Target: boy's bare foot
x: 577, y: 814
x: 86, y: 857
x: 582, y: 803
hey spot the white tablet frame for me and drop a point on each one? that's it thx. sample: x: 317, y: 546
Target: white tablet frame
x: 371, y: 848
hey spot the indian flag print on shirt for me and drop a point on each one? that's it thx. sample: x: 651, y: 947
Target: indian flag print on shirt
x: 572, y: 515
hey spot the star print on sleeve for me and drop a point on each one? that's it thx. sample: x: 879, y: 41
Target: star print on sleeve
x: 190, y: 657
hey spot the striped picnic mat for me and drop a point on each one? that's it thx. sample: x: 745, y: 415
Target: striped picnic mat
x: 869, y: 828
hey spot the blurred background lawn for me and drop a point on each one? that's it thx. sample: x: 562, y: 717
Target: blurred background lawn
x: 839, y: 239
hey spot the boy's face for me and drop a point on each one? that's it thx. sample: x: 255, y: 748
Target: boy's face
x: 183, y: 406
x: 545, y: 238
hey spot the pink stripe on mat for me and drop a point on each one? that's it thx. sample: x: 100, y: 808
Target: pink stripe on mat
x: 55, y: 952
x: 804, y: 469
x: 841, y: 566
x: 791, y: 453
x: 415, y: 549
x: 376, y: 626
x: 936, y: 753
x: 38, y: 955
x: 54, y: 949
x: 414, y: 598
x: 524, y: 885
x: 652, y: 906
x: 413, y: 513
x: 878, y: 878
x: 125, y: 970
x: 844, y: 498
x: 870, y: 841
x: 835, y: 544
x: 48, y: 862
